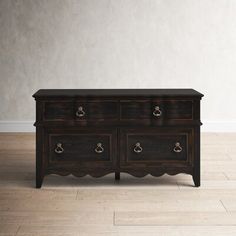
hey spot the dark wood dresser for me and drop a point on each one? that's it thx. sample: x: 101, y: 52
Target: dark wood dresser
x: 101, y: 131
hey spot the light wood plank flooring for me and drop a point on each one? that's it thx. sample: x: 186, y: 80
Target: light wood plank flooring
x: 168, y: 205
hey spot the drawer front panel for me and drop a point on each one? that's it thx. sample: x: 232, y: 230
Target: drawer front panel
x: 131, y: 110
x: 81, y: 110
x: 156, y: 147
x: 58, y: 111
x: 82, y: 146
x: 152, y: 146
x: 141, y: 111
x: 155, y: 110
x: 92, y: 110
x: 173, y: 109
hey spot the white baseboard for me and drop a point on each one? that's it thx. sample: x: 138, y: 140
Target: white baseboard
x: 17, y: 126
x: 27, y: 126
x: 218, y: 126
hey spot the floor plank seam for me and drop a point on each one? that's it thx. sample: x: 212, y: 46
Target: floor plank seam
x: 176, y: 225
x: 114, y: 224
x: 178, y: 185
x: 17, y: 231
x: 229, y: 156
x: 226, y: 176
x: 76, y: 196
x: 223, y: 205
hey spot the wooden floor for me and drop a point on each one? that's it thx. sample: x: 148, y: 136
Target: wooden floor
x: 168, y: 205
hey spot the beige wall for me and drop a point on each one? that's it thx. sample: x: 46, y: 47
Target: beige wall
x: 117, y: 44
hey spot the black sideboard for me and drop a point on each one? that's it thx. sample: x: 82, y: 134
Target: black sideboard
x: 102, y: 131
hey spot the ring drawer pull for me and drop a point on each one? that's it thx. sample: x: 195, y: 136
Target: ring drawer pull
x: 80, y: 112
x: 157, y: 112
x: 59, y: 149
x: 138, y: 148
x: 177, y: 147
x: 99, y: 148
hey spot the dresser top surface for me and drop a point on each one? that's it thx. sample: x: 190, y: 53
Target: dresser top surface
x: 117, y: 92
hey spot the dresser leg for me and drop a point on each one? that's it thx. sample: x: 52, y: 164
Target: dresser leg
x: 196, y: 179
x: 197, y: 166
x: 117, y: 175
x: 39, y: 157
x: 39, y: 182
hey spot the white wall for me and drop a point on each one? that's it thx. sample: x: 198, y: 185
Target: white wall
x: 118, y: 44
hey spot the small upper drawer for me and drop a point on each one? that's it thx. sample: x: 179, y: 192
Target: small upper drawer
x: 156, y: 110
x: 139, y: 109
x: 58, y: 110
x: 174, y: 109
x: 80, y: 110
x: 96, y: 110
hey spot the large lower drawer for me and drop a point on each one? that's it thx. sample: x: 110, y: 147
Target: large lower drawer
x: 156, y: 146
x: 83, y: 147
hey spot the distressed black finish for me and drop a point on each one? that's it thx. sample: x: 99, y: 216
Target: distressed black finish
x: 99, y: 131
